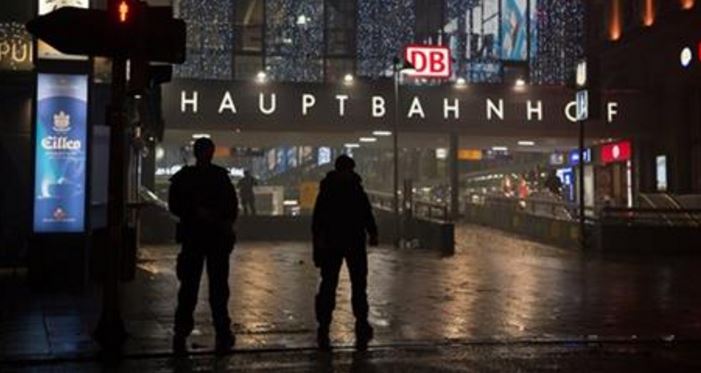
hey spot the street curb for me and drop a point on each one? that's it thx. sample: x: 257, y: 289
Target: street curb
x: 40, y: 360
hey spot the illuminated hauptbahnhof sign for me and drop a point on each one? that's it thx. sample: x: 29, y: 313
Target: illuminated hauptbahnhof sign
x: 361, y: 105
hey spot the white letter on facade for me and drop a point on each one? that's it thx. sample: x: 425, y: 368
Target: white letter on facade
x: 308, y: 100
x: 572, y: 117
x: 378, y: 107
x: 454, y: 108
x: 491, y: 108
x: 612, y: 109
x: 184, y: 101
x: 227, y: 103
x: 341, y: 104
x: 538, y: 110
x: 416, y: 108
x: 261, y: 104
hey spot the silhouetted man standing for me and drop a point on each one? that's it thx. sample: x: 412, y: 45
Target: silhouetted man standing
x: 204, y: 199
x: 342, y: 218
x: 248, y: 198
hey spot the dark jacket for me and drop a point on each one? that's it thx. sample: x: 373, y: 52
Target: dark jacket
x: 342, y: 214
x: 205, y: 201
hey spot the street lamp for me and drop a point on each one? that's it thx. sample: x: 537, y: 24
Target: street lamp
x: 398, y: 67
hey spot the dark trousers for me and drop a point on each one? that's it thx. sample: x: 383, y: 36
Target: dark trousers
x: 357, y: 263
x: 249, y: 206
x: 190, y: 263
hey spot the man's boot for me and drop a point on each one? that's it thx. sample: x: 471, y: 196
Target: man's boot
x: 322, y: 338
x: 225, y: 343
x: 363, y: 334
x: 179, y: 345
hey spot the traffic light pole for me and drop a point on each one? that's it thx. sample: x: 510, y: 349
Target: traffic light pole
x: 110, y: 332
x: 128, y: 29
x: 580, y: 182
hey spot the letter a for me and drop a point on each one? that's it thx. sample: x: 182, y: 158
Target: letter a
x: 227, y: 103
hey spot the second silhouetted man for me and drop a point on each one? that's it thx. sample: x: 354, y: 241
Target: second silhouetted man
x: 341, y: 224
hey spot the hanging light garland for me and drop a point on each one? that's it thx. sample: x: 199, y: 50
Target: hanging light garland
x: 210, y: 36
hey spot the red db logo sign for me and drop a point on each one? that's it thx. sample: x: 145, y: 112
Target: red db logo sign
x: 429, y: 61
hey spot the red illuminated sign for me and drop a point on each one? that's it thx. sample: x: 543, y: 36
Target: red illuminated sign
x: 430, y: 61
x: 616, y: 152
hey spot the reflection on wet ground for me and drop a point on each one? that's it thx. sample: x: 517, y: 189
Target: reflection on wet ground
x: 496, y: 288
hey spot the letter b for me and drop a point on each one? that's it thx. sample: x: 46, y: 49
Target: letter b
x: 437, y: 62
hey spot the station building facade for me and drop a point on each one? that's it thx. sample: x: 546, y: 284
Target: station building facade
x: 284, y: 85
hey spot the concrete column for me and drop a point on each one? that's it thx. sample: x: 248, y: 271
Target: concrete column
x: 453, y: 167
x: 148, y: 168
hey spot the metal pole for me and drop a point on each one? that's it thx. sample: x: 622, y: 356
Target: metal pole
x: 395, y: 152
x: 110, y: 331
x: 582, y: 216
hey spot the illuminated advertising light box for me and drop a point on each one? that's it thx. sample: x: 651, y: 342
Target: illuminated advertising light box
x: 60, y: 153
x: 557, y: 159
x: 574, y: 156
x: 46, y: 51
x: 324, y: 156
x: 616, y: 152
x: 514, y: 30
x: 469, y: 154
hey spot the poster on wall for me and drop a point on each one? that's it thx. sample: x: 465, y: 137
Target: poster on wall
x: 514, y: 30
x: 60, y: 153
x: 47, y: 6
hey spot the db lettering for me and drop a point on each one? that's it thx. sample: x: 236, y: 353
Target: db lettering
x: 429, y: 61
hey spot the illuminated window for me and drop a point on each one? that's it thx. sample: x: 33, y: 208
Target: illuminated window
x: 615, y: 21
x: 687, y: 4
x: 649, y: 12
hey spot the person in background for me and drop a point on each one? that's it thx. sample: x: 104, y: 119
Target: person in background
x: 553, y: 183
x: 248, y: 197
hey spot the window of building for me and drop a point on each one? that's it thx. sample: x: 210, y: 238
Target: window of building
x: 337, y: 68
x: 340, y: 27
x: 248, y: 28
x: 294, y: 39
x: 247, y: 66
x: 384, y: 27
x: 209, y: 38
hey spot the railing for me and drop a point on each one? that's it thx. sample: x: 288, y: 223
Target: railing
x: 650, y: 217
x: 431, y: 211
x: 422, y: 209
x: 381, y: 200
x: 559, y: 210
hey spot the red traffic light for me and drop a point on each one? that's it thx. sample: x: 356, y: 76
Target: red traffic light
x: 123, y: 11
x: 156, y: 37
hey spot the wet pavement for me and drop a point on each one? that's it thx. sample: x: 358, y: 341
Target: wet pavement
x: 489, y: 358
x: 497, y: 288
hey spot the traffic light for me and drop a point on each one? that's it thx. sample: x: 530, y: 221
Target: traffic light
x: 128, y: 28
x: 125, y: 13
x: 123, y: 10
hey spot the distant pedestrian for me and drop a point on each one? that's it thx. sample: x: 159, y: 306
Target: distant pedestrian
x: 248, y: 197
x: 204, y: 199
x: 553, y: 183
x: 341, y: 223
